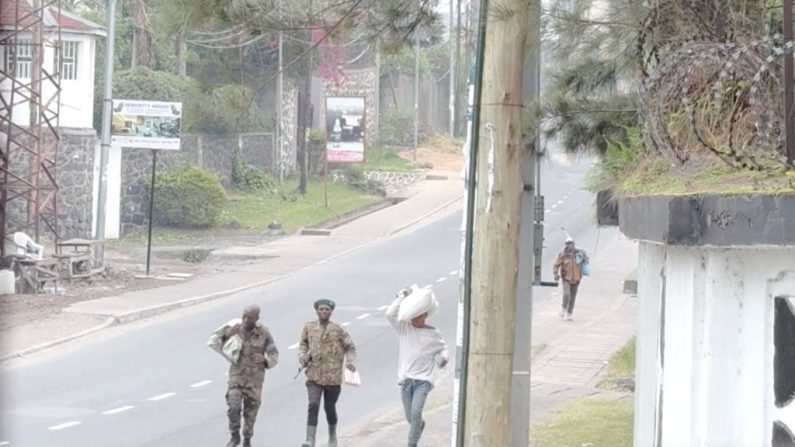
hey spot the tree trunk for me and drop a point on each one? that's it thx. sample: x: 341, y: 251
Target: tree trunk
x: 143, y: 42
x: 495, y: 254
x: 182, y: 52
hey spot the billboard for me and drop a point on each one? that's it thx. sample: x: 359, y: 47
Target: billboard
x: 146, y: 124
x: 345, y: 124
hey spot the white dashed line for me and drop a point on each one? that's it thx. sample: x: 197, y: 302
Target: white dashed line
x: 118, y: 410
x: 62, y: 426
x: 560, y: 202
x: 454, y: 273
x: 346, y: 324
x: 295, y: 346
x: 546, y: 211
x: 201, y: 384
x: 362, y: 316
x: 162, y: 396
x: 383, y: 308
x: 5, y: 443
x: 442, y: 279
x: 429, y: 286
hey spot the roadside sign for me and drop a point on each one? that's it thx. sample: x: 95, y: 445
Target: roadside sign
x: 146, y: 124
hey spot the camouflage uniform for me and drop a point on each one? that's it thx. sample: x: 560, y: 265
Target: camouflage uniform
x: 325, y: 347
x: 246, y: 377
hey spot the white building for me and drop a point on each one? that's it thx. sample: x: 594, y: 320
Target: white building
x: 75, y: 67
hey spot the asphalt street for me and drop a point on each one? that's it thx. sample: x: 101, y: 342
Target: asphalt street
x: 155, y: 383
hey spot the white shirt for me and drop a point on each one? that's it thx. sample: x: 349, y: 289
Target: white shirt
x: 421, y: 350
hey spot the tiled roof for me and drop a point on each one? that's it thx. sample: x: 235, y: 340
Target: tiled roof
x: 23, y: 9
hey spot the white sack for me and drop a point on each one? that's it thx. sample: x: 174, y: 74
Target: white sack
x: 231, y: 349
x: 419, y: 302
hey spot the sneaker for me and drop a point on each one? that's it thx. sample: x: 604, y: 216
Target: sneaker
x: 561, y: 313
x: 569, y: 317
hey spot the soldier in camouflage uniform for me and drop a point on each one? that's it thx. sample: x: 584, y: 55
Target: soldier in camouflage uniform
x: 324, y: 347
x: 244, y: 394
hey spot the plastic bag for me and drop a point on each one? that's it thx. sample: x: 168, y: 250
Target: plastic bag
x: 581, y: 258
x: 231, y: 349
x: 419, y: 302
x: 352, y: 378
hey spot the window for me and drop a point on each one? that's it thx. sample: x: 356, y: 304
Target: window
x: 23, y: 62
x: 69, y: 60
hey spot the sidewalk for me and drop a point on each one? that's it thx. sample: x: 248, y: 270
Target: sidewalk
x: 424, y: 200
x: 574, y: 354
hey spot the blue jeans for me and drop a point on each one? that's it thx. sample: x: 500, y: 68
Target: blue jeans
x: 414, y: 393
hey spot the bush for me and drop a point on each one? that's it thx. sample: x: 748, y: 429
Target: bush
x: 188, y: 196
x: 397, y: 128
x: 248, y: 178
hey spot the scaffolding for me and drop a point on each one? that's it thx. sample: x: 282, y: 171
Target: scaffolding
x: 29, y: 119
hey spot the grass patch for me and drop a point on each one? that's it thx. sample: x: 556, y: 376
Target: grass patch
x: 588, y: 422
x: 257, y: 210
x: 655, y: 176
x: 253, y: 211
x: 621, y: 369
x: 379, y: 158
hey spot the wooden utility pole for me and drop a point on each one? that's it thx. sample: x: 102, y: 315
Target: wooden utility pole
x: 498, y: 204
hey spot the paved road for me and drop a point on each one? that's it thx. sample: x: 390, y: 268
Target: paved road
x: 154, y: 383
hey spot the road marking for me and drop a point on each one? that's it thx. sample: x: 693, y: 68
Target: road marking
x: 383, y: 308
x: 454, y: 273
x: 560, y: 202
x: 362, y: 316
x: 201, y: 384
x: 429, y: 286
x: 548, y: 210
x: 5, y: 443
x: 163, y: 396
x: 118, y: 410
x: 346, y: 324
x: 293, y: 346
x: 62, y: 426
x: 442, y: 279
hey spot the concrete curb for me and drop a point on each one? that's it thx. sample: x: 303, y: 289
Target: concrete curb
x: 425, y: 216
x: 110, y: 321
x: 160, y: 309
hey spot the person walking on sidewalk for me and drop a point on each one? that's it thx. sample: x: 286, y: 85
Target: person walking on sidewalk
x: 323, y: 349
x: 255, y: 352
x: 422, y: 352
x: 568, y: 267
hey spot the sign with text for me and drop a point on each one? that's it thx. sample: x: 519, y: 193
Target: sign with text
x: 146, y: 124
x: 345, y: 124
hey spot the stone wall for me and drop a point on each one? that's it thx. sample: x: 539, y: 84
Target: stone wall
x: 212, y: 152
x: 74, y: 176
x: 387, y: 179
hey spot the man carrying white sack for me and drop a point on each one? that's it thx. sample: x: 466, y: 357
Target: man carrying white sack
x: 422, y: 352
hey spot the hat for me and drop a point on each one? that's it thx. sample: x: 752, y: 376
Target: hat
x: 325, y: 302
x: 569, y: 240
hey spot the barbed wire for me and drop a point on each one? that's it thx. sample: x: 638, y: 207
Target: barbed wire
x: 723, y: 99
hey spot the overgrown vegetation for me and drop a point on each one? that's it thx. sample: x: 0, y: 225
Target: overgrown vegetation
x: 250, y: 179
x: 397, y: 127
x: 188, y: 196
x: 620, y: 373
